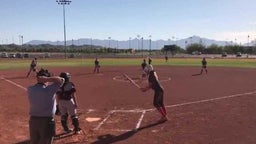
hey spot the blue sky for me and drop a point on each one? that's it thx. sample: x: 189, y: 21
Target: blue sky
x: 231, y: 20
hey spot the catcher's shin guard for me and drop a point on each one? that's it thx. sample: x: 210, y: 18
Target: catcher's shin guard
x: 75, y: 123
x: 64, y: 123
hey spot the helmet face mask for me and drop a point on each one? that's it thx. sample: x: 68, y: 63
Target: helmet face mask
x: 66, y: 76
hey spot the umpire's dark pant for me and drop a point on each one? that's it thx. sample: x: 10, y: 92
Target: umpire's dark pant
x: 42, y: 130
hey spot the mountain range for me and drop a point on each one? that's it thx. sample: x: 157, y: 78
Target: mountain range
x: 135, y: 43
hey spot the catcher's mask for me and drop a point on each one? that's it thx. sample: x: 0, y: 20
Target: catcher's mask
x: 43, y: 72
x: 65, y: 75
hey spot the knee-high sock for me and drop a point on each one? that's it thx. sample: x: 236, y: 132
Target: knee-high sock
x: 161, y: 111
x: 164, y: 110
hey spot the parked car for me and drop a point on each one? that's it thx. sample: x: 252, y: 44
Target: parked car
x: 19, y: 55
x: 196, y: 53
x: 26, y: 55
x: 47, y: 55
x: 12, y: 55
x: 4, y: 55
x: 239, y: 54
x: 72, y: 56
x: 224, y: 54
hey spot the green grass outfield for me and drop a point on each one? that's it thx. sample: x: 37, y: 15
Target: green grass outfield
x: 6, y: 64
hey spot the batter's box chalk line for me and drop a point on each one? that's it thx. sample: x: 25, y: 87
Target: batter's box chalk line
x: 143, y: 112
x: 169, y: 106
x: 121, y: 78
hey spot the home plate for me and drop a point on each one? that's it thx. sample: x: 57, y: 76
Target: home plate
x: 91, y: 119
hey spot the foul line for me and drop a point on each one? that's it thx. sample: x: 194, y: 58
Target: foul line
x: 9, y: 81
x: 208, y: 100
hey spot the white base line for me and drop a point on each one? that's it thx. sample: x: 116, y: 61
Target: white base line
x: 140, y: 120
x: 13, y: 83
x: 102, y: 122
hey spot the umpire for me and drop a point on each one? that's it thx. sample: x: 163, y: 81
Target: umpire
x: 42, y: 108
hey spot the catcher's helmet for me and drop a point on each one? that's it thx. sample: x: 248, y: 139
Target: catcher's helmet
x: 65, y: 75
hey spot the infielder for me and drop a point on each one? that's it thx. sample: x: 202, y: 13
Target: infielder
x: 143, y: 65
x: 204, y: 66
x: 96, y: 66
x: 32, y: 66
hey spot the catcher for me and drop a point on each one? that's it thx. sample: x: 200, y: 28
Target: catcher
x: 153, y: 83
x: 67, y: 104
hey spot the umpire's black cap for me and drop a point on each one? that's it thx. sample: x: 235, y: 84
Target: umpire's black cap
x: 43, y: 72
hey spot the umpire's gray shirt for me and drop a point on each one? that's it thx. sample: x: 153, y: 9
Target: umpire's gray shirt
x: 42, y: 99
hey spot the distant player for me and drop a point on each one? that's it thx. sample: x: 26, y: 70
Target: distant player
x: 96, y: 66
x: 166, y: 58
x: 149, y: 61
x: 32, y: 66
x: 143, y: 66
x: 153, y: 83
x: 204, y: 66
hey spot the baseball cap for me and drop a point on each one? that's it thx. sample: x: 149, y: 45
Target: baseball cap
x: 43, y: 72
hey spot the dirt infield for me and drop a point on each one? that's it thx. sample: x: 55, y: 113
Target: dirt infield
x: 214, y: 108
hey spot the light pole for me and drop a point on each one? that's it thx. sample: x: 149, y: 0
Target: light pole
x: 21, y: 41
x: 91, y: 44
x: 138, y: 36
x: 109, y: 38
x: 142, y: 47
x: 150, y: 44
x: 63, y: 3
x: 117, y: 45
x: 130, y: 42
x: 248, y: 40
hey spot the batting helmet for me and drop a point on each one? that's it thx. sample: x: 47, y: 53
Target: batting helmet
x: 65, y: 75
x: 148, y: 68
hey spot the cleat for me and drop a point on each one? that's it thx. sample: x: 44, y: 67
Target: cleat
x: 163, y: 119
x: 67, y: 130
x: 78, y: 131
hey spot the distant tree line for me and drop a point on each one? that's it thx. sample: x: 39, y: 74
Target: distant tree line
x: 60, y: 48
x: 167, y: 49
x: 212, y: 49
